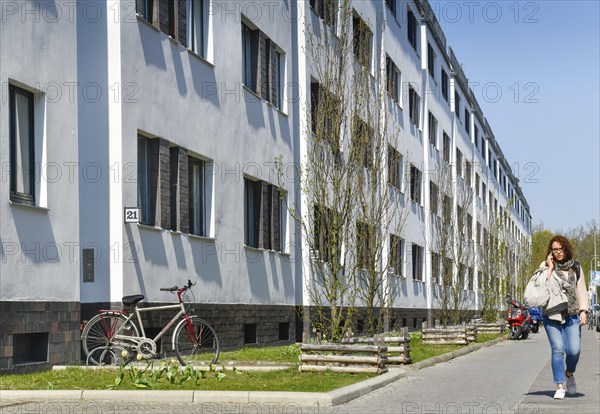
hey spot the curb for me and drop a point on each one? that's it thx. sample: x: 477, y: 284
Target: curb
x: 335, y: 397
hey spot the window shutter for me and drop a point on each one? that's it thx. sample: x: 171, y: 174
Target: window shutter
x: 174, y: 187
x: 255, y: 65
x: 262, y: 205
x: 153, y: 168
x: 182, y: 22
x: 263, y: 67
x: 163, y: 15
x: 314, y: 104
x: 273, y: 71
x: 184, y: 192
x: 258, y: 215
x: 164, y: 203
x: 275, y: 219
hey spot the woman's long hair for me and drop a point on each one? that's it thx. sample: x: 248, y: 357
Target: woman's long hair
x: 566, y: 246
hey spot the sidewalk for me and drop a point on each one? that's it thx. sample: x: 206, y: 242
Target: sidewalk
x: 587, y: 399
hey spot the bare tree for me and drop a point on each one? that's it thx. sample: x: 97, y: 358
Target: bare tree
x: 349, y: 213
x: 451, y: 242
x: 494, y: 264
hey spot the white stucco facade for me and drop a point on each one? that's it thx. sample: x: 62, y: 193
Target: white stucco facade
x: 107, y: 78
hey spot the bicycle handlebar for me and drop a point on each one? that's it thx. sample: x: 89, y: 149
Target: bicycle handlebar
x: 176, y: 288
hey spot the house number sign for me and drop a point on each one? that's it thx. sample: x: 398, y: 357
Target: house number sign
x: 132, y: 215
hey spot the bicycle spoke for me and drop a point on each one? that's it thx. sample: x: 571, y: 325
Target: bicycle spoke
x: 196, y: 342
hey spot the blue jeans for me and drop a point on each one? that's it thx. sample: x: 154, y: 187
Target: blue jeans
x: 563, y: 338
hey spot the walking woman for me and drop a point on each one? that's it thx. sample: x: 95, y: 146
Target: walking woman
x: 565, y: 313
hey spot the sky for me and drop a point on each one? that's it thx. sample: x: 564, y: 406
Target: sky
x: 534, y: 69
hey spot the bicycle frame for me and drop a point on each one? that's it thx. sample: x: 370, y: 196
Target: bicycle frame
x: 137, y: 312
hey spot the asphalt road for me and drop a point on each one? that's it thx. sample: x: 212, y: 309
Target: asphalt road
x: 510, y: 377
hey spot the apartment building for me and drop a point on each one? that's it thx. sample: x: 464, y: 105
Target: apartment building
x: 140, y: 141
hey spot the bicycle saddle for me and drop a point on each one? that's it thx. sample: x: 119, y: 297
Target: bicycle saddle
x: 131, y: 299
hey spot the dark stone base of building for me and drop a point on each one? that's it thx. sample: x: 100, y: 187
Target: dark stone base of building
x: 237, y: 325
x: 34, y: 336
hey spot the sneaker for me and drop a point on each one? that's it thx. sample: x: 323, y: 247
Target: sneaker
x: 559, y: 394
x: 571, y: 385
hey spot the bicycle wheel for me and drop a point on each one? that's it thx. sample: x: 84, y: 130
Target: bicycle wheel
x: 108, y: 355
x: 195, y: 342
x: 98, y: 336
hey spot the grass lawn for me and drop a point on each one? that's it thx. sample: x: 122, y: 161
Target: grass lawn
x: 75, y: 378
x: 420, y: 351
x: 288, y: 380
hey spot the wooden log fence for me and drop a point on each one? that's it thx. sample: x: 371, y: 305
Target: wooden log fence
x: 449, y: 335
x: 491, y: 328
x: 398, y: 347
x: 343, y: 358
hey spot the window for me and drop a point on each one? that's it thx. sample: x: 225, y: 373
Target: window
x: 147, y: 179
x: 415, y: 184
x: 263, y: 206
x: 413, y: 105
x: 471, y: 274
x: 459, y: 162
x: 169, y: 17
x: 433, y: 123
x: 261, y: 62
x: 364, y: 257
x: 22, y: 146
x: 417, y: 262
x: 477, y: 183
x: 361, y: 40
x: 447, y: 209
x: 324, y: 116
x: 171, y: 187
x: 412, y: 28
x: 446, y: 151
x: 326, y: 242
x: 431, y: 61
x: 433, y: 198
x: 326, y: 10
x: 392, y: 5
x: 362, y: 143
x: 196, y: 26
x: 457, y: 104
x: 397, y: 255
x: 468, y: 170
x: 197, y: 196
x: 393, y: 79
x: 395, y: 172
x: 435, y: 267
x: 145, y: 9
x: 445, y: 85
x: 476, y: 137
x: 469, y: 226
x: 467, y: 120
x: 483, y: 192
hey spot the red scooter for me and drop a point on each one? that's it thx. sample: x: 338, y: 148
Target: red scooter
x: 519, y: 320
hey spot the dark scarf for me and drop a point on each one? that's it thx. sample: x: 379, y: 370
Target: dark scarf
x: 569, y: 267
x: 564, y: 266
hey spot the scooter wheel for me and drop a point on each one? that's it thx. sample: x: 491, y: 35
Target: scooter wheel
x: 535, y: 329
x: 515, y: 332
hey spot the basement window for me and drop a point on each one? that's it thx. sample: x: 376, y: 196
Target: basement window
x: 30, y: 348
